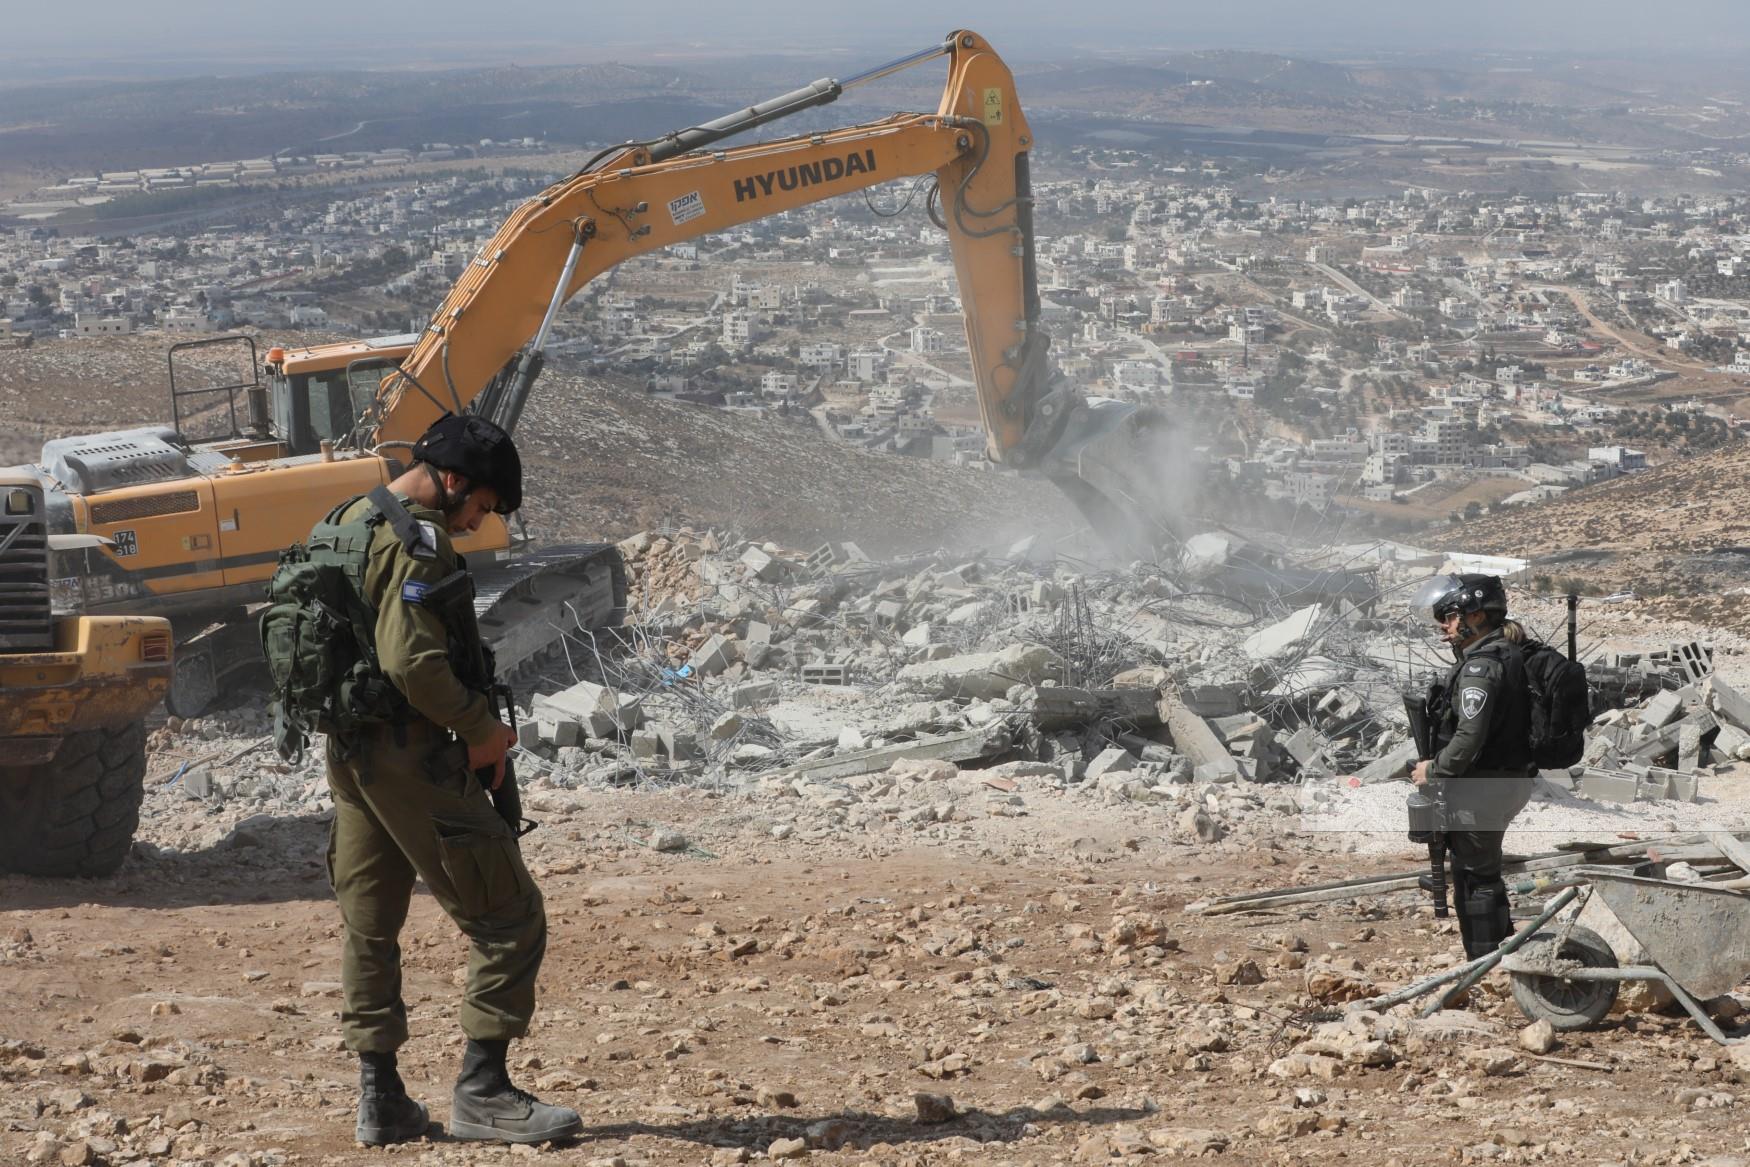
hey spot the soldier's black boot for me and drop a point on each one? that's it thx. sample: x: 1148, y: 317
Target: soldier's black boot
x: 386, y: 1114
x: 487, y: 1106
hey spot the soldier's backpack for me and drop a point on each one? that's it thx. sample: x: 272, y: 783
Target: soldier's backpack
x: 1561, y: 706
x: 318, y: 634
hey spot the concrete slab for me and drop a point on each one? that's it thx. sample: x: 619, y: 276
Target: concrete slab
x: 986, y: 675
x: 1389, y: 766
x: 1283, y: 637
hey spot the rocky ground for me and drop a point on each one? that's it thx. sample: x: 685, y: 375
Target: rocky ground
x: 1023, y: 989
x: 773, y: 941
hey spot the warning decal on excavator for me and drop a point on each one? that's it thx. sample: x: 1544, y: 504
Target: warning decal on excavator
x: 993, y: 107
x: 689, y: 206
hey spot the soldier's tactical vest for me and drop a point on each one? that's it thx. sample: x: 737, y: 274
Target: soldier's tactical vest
x: 319, y: 636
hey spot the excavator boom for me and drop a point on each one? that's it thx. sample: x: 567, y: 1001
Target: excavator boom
x: 484, y: 347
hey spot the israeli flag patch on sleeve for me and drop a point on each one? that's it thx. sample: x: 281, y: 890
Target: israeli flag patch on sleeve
x: 413, y: 592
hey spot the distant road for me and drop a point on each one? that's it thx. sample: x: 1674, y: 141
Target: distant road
x: 1640, y: 348
x: 1356, y: 289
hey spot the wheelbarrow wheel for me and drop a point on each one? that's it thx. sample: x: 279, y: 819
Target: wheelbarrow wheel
x: 1566, y: 1004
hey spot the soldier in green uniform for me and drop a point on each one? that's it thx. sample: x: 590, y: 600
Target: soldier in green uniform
x: 408, y: 804
x: 1482, y: 737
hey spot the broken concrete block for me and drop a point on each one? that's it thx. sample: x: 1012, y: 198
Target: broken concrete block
x: 1694, y: 661
x: 1662, y: 708
x: 1731, y: 739
x: 646, y: 744
x: 1141, y: 677
x: 1314, y: 674
x: 1608, y: 786
x: 752, y: 694
x: 762, y: 565
x: 1200, y: 824
x: 1341, y: 706
x: 1218, y: 772
x: 986, y: 675
x: 1057, y: 707
x: 681, y: 745
x: 827, y: 672
x: 1212, y: 700
x: 601, y: 711
x: 1731, y: 706
x: 528, y: 734
x: 971, y: 612
x: 1668, y: 784
x: 953, y: 747
x: 1111, y: 761
x: 1389, y: 766
x: 1305, y: 745
x: 1147, y: 750
x: 713, y: 656
x: 1690, y: 732
x: 1284, y: 636
x: 727, y: 726
x: 561, y: 732
x: 1193, y: 737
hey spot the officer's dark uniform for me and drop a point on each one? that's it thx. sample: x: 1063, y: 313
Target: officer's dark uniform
x: 406, y: 805
x: 1483, y: 760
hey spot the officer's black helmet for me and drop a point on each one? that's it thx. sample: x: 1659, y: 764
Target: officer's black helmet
x: 479, y: 451
x: 1471, y: 592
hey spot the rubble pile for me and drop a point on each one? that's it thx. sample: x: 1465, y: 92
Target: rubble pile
x: 840, y: 680
x: 1216, y: 700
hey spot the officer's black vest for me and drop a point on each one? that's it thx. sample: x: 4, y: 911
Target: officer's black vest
x: 1509, y: 743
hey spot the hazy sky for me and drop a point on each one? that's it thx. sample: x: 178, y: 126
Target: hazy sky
x: 298, y: 30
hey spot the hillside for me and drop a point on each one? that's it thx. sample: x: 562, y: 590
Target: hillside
x: 1679, y: 534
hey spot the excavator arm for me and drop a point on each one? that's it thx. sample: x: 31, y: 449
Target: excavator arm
x: 485, y: 346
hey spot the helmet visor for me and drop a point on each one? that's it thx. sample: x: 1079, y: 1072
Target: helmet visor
x: 1437, y: 598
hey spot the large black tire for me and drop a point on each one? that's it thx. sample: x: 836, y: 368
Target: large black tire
x: 76, y: 814
x: 1567, y: 1004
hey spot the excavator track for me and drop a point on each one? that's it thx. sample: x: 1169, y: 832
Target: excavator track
x: 525, y: 605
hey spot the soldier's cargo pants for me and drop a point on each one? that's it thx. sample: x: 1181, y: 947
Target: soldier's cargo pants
x: 406, y: 810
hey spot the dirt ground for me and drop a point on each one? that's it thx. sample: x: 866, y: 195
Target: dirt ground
x: 702, y: 1007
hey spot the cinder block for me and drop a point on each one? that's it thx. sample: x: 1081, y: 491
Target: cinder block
x: 1607, y: 786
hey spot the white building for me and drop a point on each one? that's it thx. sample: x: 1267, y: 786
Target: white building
x: 1621, y: 457
x: 87, y: 325
x: 776, y: 384
x: 865, y: 364
x: 741, y: 328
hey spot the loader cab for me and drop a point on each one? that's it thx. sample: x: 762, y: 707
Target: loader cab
x: 318, y: 394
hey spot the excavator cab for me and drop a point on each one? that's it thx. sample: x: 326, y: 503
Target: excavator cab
x: 320, y: 393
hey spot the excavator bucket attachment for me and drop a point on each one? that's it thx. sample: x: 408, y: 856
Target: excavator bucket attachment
x: 1128, y: 471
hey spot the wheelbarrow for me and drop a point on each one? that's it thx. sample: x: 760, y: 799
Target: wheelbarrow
x: 1696, y: 937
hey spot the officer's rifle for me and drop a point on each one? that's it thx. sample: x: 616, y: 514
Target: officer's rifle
x: 452, y: 598
x: 1427, y: 803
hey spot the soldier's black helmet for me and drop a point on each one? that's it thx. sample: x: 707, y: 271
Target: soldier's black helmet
x: 479, y: 451
x: 1471, y: 592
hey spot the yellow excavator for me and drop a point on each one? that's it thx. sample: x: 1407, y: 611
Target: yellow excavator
x: 190, y: 529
